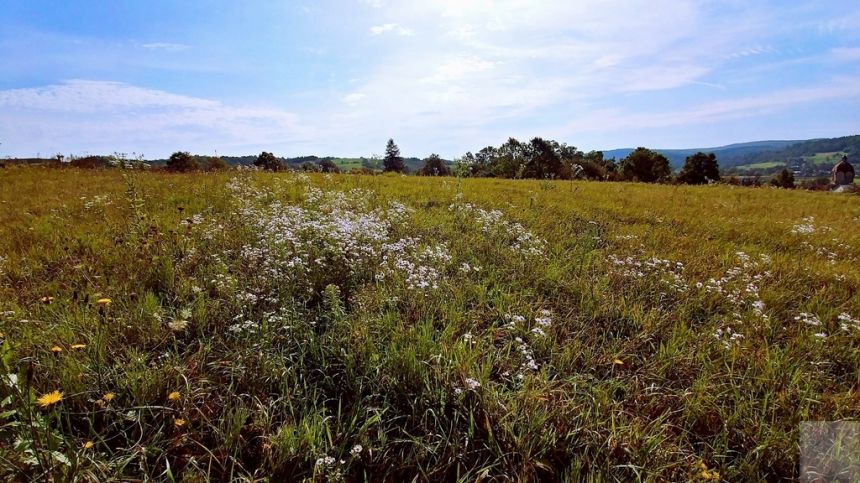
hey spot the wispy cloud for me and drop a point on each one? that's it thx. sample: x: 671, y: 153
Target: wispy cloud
x: 83, y: 115
x: 391, y: 27
x: 166, y: 46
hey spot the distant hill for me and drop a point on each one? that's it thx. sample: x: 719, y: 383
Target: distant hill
x: 728, y: 155
x: 763, y: 153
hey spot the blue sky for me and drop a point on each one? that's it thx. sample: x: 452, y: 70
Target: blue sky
x: 445, y: 76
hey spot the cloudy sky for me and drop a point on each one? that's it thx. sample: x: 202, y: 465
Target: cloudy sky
x: 341, y: 77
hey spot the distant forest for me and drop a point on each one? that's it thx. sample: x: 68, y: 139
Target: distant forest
x: 849, y: 145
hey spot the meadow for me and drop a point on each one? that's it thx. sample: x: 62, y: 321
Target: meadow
x: 238, y: 326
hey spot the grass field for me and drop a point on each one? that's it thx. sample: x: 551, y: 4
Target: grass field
x: 765, y: 165
x: 232, y: 326
x: 828, y: 159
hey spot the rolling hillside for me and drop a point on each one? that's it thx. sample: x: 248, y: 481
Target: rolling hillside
x: 764, y: 154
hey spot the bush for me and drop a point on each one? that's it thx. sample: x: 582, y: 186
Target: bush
x: 268, y: 161
x: 785, y: 179
x: 182, y: 161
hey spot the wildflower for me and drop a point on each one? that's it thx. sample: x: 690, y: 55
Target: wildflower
x: 178, y: 325
x: 78, y: 346
x: 88, y: 445
x: 356, y: 450
x: 539, y: 331
x: 104, y: 302
x: 708, y: 474
x: 179, y: 422
x: 47, y: 299
x: 325, y: 461
x: 473, y: 384
x: 108, y: 397
x: 49, y: 399
x: 174, y: 396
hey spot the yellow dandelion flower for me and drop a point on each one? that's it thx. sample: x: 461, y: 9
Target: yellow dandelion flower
x: 108, y: 397
x: 174, y: 396
x: 179, y: 422
x: 88, y: 445
x: 618, y: 362
x: 56, y: 349
x: 78, y: 346
x: 104, y: 302
x: 47, y: 299
x: 49, y: 399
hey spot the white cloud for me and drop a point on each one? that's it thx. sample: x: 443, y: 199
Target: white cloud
x: 99, y: 116
x: 353, y: 98
x: 846, y: 54
x: 391, y: 27
x: 716, y: 111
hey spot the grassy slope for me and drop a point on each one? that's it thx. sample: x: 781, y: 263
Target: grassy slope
x: 631, y: 379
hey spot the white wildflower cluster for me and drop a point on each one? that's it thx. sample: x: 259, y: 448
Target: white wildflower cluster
x: 513, y: 323
x: 543, y: 322
x: 96, y: 201
x: 728, y: 337
x: 468, y: 338
x: 420, y: 266
x: 832, y: 252
x: 846, y: 322
x: 739, y: 286
x: 194, y: 220
x: 331, y: 237
x: 805, y: 227
x: 493, y: 223
x: 669, y: 273
x: 356, y: 450
x: 467, y: 268
x: 529, y: 362
x: 808, y: 319
x: 471, y: 385
x: 243, y: 326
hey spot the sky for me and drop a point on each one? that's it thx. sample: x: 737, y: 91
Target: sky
x: 439, y: 76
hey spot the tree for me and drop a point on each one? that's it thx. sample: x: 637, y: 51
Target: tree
x: 646, y: 166
x: 268, y: 161
x: 785, y: 179
x: 393, y: 161
x: 434, y: 166
x: 214, y: 163
x: 700, y: 168
x: 328, y: 166
x: 182, y: 161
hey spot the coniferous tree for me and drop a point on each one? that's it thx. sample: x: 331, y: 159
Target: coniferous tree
x: 393, y: 161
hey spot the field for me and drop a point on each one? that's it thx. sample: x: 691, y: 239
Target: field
x: 765, y: 165
x: 325, y: 327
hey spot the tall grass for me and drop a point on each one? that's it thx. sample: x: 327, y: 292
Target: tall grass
x: 385, y: 327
